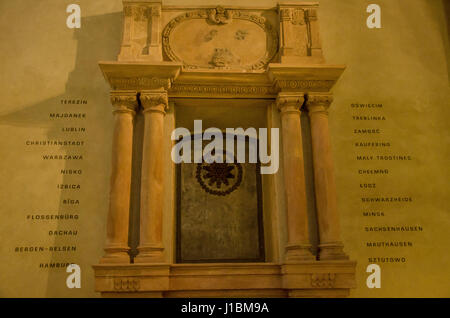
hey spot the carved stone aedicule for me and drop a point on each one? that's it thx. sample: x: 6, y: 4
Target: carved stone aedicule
x: 200, y: 54
x: 220, y: 38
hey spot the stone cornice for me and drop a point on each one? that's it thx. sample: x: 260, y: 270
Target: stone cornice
x: 304, y: 78
x: 223, y: 84
x: 171, y: 77
x: 140, y: 76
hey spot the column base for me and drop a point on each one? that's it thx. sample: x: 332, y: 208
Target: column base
x: 332, y: 251
x: 298, y: 253
x: 116, y: 255
x: 150, y: 254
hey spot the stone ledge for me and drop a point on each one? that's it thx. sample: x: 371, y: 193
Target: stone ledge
x: 306, y: 279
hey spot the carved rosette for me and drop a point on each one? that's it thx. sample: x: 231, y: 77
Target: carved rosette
x: 154, y: 101
x: 319, y: 103
x: 219, y: 178
x: 222, y: 16
x: 124, y: 101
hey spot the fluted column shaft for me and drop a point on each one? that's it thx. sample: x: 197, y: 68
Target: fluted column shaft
x: 298, y: 247
x: 330, y: 246
x: 151, y: 249
x: 116, y: 247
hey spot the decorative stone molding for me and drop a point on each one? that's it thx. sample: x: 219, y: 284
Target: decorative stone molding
x: 126, y: 284
x: 221, y: 16
x: 320, y: 100
x: 290, y: 102
x: 319, y: 103
x: 140, y: 76
x: 323, y: 280
x: 314, y: 279
x: 140, y: 13
x: 124, y: 101
x: 154, y: 101
x: 308, y: 79
x: 305, y: 84
x: 294, y: 15
x: 223, y: 58
x: 222, y: 90
x: 156, y: 11
x: 140, y: 83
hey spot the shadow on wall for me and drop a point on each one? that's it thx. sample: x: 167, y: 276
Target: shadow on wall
x: 446, y: 5
x: 98, y: 39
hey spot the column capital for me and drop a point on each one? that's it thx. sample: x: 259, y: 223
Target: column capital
x: 154, y: 101
x: 290, y: 102
x: 318, y: 103
x: 124, y: 101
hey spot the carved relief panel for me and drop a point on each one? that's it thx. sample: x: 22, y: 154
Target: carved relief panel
x: 220, y: 38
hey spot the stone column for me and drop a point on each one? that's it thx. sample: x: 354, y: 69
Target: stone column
x: 151, y: 248
x: 298, y: 247
x: 116, y: 248
x: 330, y: 247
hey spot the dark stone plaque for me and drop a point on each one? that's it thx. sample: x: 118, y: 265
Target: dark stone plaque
x: 219, y: 213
